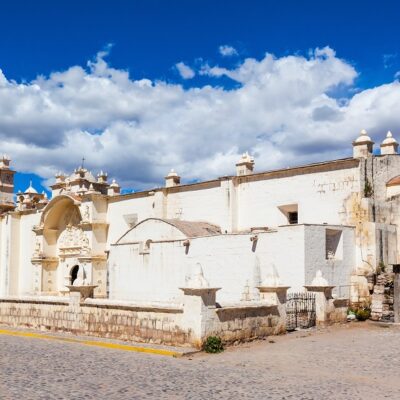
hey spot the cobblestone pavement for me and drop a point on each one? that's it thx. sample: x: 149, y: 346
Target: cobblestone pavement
x: 357, y: 361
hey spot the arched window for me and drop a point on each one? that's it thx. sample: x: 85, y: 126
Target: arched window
x: 74, y: 273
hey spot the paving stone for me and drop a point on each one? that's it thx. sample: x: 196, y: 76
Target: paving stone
x: 336, y: 363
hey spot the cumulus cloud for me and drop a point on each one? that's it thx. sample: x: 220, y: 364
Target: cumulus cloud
x: 389, y: 60
x: 282, y: 110
x: 227, y: 51
x: 185, y: 71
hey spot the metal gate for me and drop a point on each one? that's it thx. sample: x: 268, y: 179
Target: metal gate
x: 300, y: 311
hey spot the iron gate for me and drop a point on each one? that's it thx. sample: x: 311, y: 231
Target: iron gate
x: 300, y: 311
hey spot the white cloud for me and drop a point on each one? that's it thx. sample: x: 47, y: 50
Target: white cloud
x: 185, y: 71
x: 227, y: 51
x: 389, y: 60
x: 282, y: 110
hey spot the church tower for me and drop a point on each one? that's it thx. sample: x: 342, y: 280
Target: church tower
x: 6, y: 185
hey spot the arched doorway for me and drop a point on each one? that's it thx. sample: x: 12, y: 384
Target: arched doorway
x: 74, y: 273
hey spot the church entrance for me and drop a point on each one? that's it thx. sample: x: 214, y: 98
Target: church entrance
x: 74, y: 273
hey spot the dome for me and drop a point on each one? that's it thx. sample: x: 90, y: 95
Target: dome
x: 363, y: 137
x: 114, y: 184
x: 246, y: 159
x: 172, y: 174
x: 389, y: 139
x: 31, y: 189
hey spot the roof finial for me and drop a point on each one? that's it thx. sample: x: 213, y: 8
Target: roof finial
x: 83, y: 162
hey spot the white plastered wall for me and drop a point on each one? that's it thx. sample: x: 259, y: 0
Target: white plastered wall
x: 320, y: 198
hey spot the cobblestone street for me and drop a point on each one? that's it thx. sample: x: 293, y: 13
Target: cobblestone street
x: 356, y: 361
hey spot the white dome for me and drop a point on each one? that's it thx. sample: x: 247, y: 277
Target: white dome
x: 31, y: 189
x: 389, y: 139
x: 363, y: 137
x: 172, y: 173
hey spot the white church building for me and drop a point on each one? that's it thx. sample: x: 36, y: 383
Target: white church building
x: 341, y: 217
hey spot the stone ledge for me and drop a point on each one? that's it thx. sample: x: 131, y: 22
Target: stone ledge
x: 36, y: 300
x: 160, y: 308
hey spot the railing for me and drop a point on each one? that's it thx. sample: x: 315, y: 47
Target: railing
x: 300, y: 311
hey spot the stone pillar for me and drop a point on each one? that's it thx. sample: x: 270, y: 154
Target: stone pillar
x: 323, y: 297
x: 199, y: 313
x: 272, y: 292
x: 396, y: 294
x: 199, y: 306
x: 363, y: 145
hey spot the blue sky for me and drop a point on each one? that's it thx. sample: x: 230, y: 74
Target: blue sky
x: 148, y: 39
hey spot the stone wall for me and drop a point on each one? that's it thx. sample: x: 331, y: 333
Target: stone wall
x: 161, y: 324
x: 136, y: 323
x: 236, y: 324
x: 338, y: 312
x: 383, y: 298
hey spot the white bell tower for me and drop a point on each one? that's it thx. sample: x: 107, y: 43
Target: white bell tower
x: 6, y: 185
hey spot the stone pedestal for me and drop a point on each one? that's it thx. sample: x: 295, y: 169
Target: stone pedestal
x: 199, y: 312
x: 323, y: 302
x: 84, y: 291
x: 323, y: 298
x: 275, y: 295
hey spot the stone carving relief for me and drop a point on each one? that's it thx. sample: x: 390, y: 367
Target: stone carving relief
x: 86, y: 214
x: 73, y: 240
x: 38, y: 249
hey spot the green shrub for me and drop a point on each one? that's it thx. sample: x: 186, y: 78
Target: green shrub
x: 213, y: 344
x: 362, y: 314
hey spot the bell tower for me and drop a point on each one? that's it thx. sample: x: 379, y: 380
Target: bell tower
x: 6, y: 185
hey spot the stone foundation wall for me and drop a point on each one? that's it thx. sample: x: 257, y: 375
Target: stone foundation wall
x: 141, y: 324
x: 152, y: 324
x: 338, y: 312
x: 237, y: 324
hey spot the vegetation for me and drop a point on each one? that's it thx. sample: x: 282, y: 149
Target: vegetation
x: 368, y: 190
x: 381, y: 268
x: 362, y: 312
x: 213, y: 344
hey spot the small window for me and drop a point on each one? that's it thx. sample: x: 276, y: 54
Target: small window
x: 291, y: 212
x: 293, y: 217
x: 333, y: 244
x: 144, y: 247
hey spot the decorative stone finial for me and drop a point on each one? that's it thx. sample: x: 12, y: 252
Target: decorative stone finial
x: 197, y: 280
x: 172, y: 179
x: 272, y: 278
x: 245, y: 165
x: 5, y: 161
x: 319, y: 280
x: 389, y: 145
x: 363, y: 145
x: 114, y: 188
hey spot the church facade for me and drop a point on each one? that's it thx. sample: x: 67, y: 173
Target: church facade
x: 340, y: 217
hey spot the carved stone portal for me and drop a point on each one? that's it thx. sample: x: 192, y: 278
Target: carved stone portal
x: 73, y: 241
